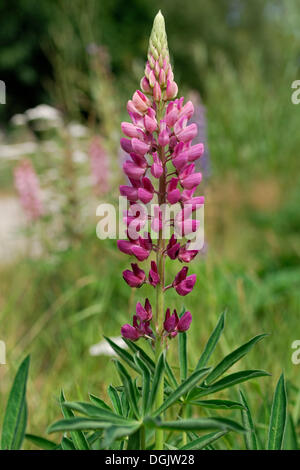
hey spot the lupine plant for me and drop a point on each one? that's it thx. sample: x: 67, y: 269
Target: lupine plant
x: 154, y: 406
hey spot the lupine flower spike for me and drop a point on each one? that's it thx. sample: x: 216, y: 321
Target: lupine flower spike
x: 161, y: 169
x: 28, y: 187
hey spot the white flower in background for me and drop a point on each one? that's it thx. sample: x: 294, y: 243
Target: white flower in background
x: 77, y: 130
x: 19, y: 120
x: 15, y: 151
x: 43, y: 111
x: 104, y: 349
x: 79, y: 157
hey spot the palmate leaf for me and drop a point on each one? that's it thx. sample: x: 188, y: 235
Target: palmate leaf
x: 122, y: 354
x: 182, y: 348
x: 67, y: 444
x: 278, y: 417
x: 203, y: 441
x: 290, y: 435
x: 95, y: 412
x: 83, y: 424
x: 146, y: 383
x: 99, y: 402
x: 219, y: 404
x: 78, y: 438
x: 184, y: 388
x: 211, y: 343
x: 128, y: 387
x: 41, y: 442
x: 195, y: 424
x: 115, y: 399
x: 15, y: 418
x: 171, y: 380
x: 226, y: 382
x: 250, y: 434
x: 113, y: 433
x: 232, y: 358
x: 157, y: 378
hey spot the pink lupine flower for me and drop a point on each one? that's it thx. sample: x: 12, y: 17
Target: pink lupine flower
x: 28, y: 187
x: 136, y: 277
x: 99, y: 166
x: 159, y: 144
x: 174, y: 325
x: 144, y: 313
x: 154, y: 278
x: 182, y: 283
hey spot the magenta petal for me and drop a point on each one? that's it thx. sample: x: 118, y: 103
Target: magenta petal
x: 129, y: 332
x: 184, y: 322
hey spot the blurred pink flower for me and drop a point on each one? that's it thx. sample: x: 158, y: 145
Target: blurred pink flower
x: 28, y: 187
x: 99, y: 166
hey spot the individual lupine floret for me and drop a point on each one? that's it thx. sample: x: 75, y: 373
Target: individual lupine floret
x: 174, y: 325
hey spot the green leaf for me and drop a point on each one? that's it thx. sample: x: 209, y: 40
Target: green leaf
x: 95, y: 412
x: 204, y: 441
x: 123, y: 354
x: 226, y: 382
x: 78, y: 438
x: 113, y: 433
x: 146, y: 382
x: 115, y: 399
x: 250, y: 434
x: 219, y: 404
x: 67, y: 444
x: 158, y: 376
x: 128, y: 386
x: 278, y: 416
x: 41, y: 442
x: 187, y: 385
x: 134, y: 441
x: 150, y: 363
x: 196, y: 424
x: 75, y: 424
x: 211, y: 343
x: 290, y: 435
x: 15, y: 418
x: 143, y: 355
x: 232, y: 358
x: 97, y: 401
x: 182, y: 348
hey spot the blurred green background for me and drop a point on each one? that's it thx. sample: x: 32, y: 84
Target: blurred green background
x: 85, y: 58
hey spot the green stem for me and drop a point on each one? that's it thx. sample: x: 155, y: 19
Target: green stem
x: 143, y: 438
x: 160, y: 261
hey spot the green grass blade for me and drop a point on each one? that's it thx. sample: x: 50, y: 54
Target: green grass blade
x: 278, y: 417
x: 250, y: 434
x: 232, y: 358
x: 184, y: 388
x: 15, y: 418
x: 78, y: 438
x: 78, y: 423
x: 157, y: 378
x: 182, y: 348
x: 204, y: 441
x: 211, y: 343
